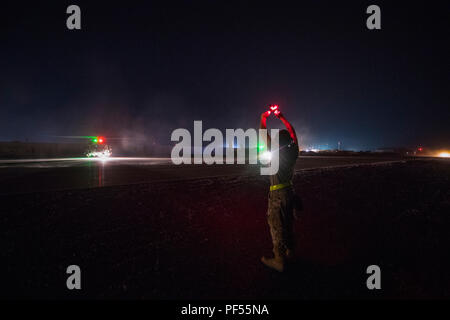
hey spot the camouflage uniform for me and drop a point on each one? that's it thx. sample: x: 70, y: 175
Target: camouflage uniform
x: 280, y: 218
x: 280, y: 213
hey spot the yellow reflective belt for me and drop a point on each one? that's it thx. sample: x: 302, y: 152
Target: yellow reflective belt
x: 280, y: 186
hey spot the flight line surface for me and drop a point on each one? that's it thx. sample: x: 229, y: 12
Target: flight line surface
x: 36, y: 175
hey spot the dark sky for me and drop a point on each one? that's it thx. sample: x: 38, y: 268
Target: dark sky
x: 143, y: 68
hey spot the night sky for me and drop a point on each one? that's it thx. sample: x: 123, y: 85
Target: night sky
x: 140, y: 69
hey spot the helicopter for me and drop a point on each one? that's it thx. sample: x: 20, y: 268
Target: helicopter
x: 98, y: 148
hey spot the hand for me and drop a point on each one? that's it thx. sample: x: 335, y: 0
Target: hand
x: 273, y: 107
x: 266, y: 114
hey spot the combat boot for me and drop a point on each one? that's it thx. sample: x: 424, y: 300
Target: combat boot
x: 276, y: 263
x: 289, y: 255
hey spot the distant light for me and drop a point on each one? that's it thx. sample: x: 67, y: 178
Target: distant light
x: 99, y: 154
x: 420, y: 149
x: 101, y: 140
x: 267, y: 156
x: 444, y: 155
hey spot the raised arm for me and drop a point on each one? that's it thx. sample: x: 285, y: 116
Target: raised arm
x: 264, y: 126
x: 288, y: 125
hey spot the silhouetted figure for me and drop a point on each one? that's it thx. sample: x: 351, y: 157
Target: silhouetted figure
x: 280, y: 213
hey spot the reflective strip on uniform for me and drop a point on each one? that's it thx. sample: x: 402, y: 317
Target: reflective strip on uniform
x: 280, y: 186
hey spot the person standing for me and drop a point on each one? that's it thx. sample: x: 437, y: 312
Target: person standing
x: 280, y: 213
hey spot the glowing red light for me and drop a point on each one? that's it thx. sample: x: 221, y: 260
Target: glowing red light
x: 101, y: 140
x: 274, y: 107
x: 420, y: 149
